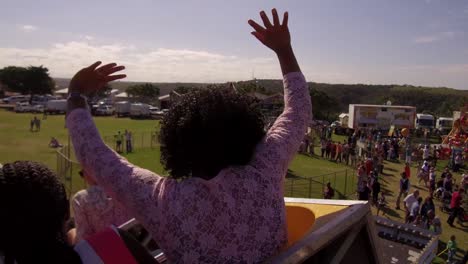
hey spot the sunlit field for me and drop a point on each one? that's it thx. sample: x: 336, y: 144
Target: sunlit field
x: 18, y: 143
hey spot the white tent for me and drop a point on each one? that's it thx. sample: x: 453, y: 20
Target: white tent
x: 62, y: 91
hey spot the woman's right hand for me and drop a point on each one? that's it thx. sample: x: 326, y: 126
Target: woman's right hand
x: 275, y: 36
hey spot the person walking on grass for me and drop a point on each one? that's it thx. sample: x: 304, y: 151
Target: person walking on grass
x: 451, y: 249
x: 455, y: 206
x: 408, y: 203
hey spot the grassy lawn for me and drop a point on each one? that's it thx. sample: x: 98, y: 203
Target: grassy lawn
x: 18, y: 143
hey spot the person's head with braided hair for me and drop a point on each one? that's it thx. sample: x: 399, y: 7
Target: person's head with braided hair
x: 33, y: 211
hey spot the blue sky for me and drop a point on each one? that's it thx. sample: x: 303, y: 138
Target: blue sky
x: 420, y: 42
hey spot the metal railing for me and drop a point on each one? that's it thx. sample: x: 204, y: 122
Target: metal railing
x: 139, y: 140
x: 67, y: 171
x: 343, y: 182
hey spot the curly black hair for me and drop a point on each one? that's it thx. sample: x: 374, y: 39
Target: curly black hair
x: 209, y: 130
x: 33, y: 211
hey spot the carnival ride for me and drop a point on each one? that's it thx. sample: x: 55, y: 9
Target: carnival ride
x: 457, y: 140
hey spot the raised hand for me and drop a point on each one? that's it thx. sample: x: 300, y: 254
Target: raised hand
x: 91, y: 79
x: 275, y: 36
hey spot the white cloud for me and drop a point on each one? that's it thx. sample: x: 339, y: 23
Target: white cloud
x: 28, y: 28
x: 87, y: 37
x: 435, y: 37
x: 163, y: 64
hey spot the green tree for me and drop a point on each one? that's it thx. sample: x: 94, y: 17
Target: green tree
x: 146, y: 93
x: 13, y: 77
x: 31, y: 80
x: 324, y: 107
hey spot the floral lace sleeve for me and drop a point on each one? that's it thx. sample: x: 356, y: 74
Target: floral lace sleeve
x: 133, y: 187
x: 282, y: 141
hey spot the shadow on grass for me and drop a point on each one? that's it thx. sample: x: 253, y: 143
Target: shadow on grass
x: 341, y: 196
x: 290, y: 175
x: 388, y: 211
x: 387, y: 192
x: 389, y: 169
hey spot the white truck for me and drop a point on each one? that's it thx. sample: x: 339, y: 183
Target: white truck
x: 122, y: 108
x: 381, y: 116
x: 140, y: 110
x: 444, y: 125
x: 424, y: 121
x: 56, y: 106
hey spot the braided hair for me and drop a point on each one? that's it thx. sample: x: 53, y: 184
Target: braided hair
x: 33, y: 210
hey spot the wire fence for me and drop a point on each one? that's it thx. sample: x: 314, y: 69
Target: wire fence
x: 343, y: 182
x: 138, y: 141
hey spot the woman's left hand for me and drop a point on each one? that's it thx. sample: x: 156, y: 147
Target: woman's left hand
x: 91, y: 79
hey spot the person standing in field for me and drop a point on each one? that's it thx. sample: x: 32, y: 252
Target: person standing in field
x: 404, y: 187
x: 119, y: 139
x: 128, y: 141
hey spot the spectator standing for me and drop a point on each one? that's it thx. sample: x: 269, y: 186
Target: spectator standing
x: 128, y: 141
x: 339, y: 151
x: 404, y: 188
x: 364, y: 191
x: 38, y: 124
x: 119, y: 139
x: 407, y: 170
x: 381, y: 203
x: 451, y: 249
x: 408, y: 203
x: 458, y: 162
x: 323, y: 147
x: 329, y: 192
x: 328, y: 149
x: 31, y: 125
x: 375, y: 190
x: 414, y: 216
x: 427, y: 206
x: 455, y: 205
x: 332, y: 151
x: 446, y: 173
x: 432, y: 180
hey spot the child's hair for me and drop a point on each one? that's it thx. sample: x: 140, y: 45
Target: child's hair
x: 452, y: 237
x: 209, y: 130
x: 33, y: 211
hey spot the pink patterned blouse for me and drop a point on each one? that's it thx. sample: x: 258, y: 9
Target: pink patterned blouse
x: 236, y: 217
x: 94, y: 211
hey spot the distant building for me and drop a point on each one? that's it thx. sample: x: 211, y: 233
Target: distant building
x: 167, y: 100
x: 61, y: 93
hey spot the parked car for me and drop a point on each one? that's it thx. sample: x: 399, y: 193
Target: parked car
x: 140, y: 110
x: 56, y: 106
x: 105, y: 110
x: 15, y: 99
x: 159, y: 114
x: 42, y: 99
x: 25, y: 107
x: 122, y: 108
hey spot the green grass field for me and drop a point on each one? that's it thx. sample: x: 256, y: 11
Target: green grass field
x: 18, y: 143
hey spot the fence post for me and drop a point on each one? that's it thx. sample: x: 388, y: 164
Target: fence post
x: 292, y: 187
x: 71, y: 176
x: 310, y: 187
x: 345, y: 183
x: 334, y: 181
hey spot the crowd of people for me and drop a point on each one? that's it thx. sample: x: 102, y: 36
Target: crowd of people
x: 222, y: 201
